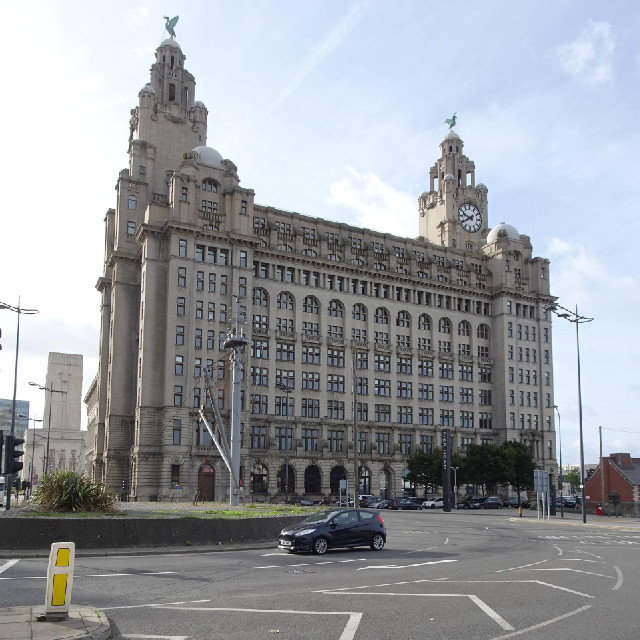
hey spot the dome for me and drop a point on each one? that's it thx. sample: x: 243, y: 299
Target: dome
x: 449, y: 176
x: 199, y: 103
x: 452, y: 135
x: 503, y: 230
x: 148, y: 89
x: 208, y: 156
x: 170, y: 42
x: 481, y: 185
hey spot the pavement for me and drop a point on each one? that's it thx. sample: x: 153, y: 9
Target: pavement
x: 30, y: 623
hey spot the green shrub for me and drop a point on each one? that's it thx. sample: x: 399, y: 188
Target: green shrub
x: 68, y: 491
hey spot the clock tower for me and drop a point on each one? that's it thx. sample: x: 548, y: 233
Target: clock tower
x: 453, y: 213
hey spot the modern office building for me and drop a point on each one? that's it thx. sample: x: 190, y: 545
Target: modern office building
x: 21, y: 418
x: 444, y: 330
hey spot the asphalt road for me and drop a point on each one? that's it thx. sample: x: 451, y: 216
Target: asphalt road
x: 476, y: 575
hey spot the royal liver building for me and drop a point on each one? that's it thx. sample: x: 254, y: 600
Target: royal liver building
x: 390, y: 337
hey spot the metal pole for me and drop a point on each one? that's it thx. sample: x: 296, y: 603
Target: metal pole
x: 286, y: 452
x: 234, y: 493
x: 584, y: 505
x: 455, y: 487
x: 561, y: 472
x: 601, y: 471
x: 46, y: 456
x: 356, y: 467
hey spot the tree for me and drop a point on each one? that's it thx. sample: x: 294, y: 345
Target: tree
x: 520, y: 466
x: 573, y: 478
x: 485, y: 464
x: 425, y: 468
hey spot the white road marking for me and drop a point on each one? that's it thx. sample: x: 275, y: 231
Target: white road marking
x: 586, y: 553
x: 559, y: 549
x: 590, y: 573
x: 139, y: 606
x: 524, y: 566
x: 619, y: 583
x: 482, y: 605
x: 307, y: 564
x: 406, y: 553
x: 581, y: 560
x: 403, y: 566
x: 264, y: 555
x: 543, y: 624
x: 8, y: 565
x: 136, y: 635
x: 446, y: 540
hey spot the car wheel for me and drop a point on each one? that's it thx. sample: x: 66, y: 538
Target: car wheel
x: 399, y: 508
x: 320, y: 546
x: 433, y: 506
x: 377, y: 542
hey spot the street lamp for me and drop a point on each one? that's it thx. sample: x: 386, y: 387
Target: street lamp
x: 51, y: 391
x: 33, y: 444
x: 19, y: 310
x: 555, y: 406
x: 573, y: 316
x: 283, y: 387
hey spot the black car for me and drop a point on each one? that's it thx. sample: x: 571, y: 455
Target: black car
x: 400, y: 504
x: 512, y: 503
x: 385, y: 504
x: 492, y: 503
x: 472, y: 502
x: 335, y: 528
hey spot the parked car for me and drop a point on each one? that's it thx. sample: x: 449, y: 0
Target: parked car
x: 493, y: 502
x: 415, y: 499
x: 433, y: 503
x: 384, y: 504
x: 400, y: 504
x: 366, y: 500
x: 568, y: 502
x: 332, y: 528
x: 471, y: 502
x: 512, y: 503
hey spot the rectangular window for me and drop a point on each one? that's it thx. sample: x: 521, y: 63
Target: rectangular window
x: 198, y: 339
x: 179, y: 335
x: 284, y: 405
x: 425, y: 415
x: 310, y: 439
x: 485, y: 420
x: 177, y: 395
x: 258, y: 404
x: 335, y: 439
x: 311, y: 381
x: 310, y: 355
x: 447, y: 417
x: 335, y: 383
x: 335, y: 357
x: 285, y: 351
x: 426, y: 443
x: 362, y: 412
x: 446, y: 370
x: 259, y: 377
x: 425, y: 391
x: 310, y: 408
x: 382, y: 387
x: 382, y: 413
x: 383, y: 441
x: 466, y: 419
x: 404, y: 441
x: 177, y: 432
x: 284, y: 438
x: 382, y: 363
x: 180, y: 306
x: 258, y: 438
x: 405, y: 415
x: 335, y: 409
x: 425, y: 368
x: 260, y: 349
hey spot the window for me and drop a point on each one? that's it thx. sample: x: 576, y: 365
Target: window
x: 133, y: 203
x: 404, y: 389
x: 178, y: 367
x: 485, y: 396
x: 199, y: 309
x: 335, y: 357
x: 466, y: 395
x: 359, y: 312
x: 403, y: 320
x: 446, y: 370
x: 259, y: 376
x: 335, y: 439
x: 310, y: 439
x: 465, y: 372
x: 335, y: 310
x: 177, y: 395
x: 447, y: 417
x: 284, y: 405
x: 381, y: 337
x: 362, y: 360
x: 446, y: 393
x: 177, y: 434
x: 404, y: 441
x: 284, y: 301
x: 362, y: 386
x: 260, y: 349
x: 425, y: 391
x: 285, y: 351
x: 425, y: 368
x: 311, y: 380
x: 179, y: 335
x: 260, y: 297
x: 382, y: 413
x: 258, y: 405
x: 258, y: 438
x: 382, y: 387
x: 426, y: 443
x: 444, y: 326
x: 335, y: 409
x: 404, y: 365
x: 335, y: 383
x: 424, y: 322
x: 310, y: 355
x: 405, y: 415
x: 466, y: 419
x: 334, y: 331
x: 484, y: 374
x: 485, y: 420
x: 382, y: 441
x: 381, y: 316
x: 310, y: 408
x: 211, y: 311
x: 464, y: 328
x: 180, y: 306
x: 197, y: 343
x: 182, y: 276
x: 425, y: 415
x: 382, y: 363
x: 286, y: 377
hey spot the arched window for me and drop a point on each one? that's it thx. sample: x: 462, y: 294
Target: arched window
x: 311, y: 305
x: 444, y: 325
x: 259, y: 479
x: 284, y: 301
x: 424, y: 322
x: 260, y: 297
x: 209, y: 185
x: 337, y: 474
x: 335, y: 309
x: 464, y: 328
x: 403, y: 320
x: 483, y: 332
x: 312, y: 480
x: 359, y: 312
x: 283, y: 478
x: 358, y: 262
x: 381, y: 316
x: 364, y: 481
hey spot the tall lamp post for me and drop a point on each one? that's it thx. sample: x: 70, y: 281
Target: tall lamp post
x: 33, y: 444
x: 555, y: 406
x: 455, y: 487
x: 577, y: 319
x: 19, y: 310
x: 51, y: 391
x: 283, y: 387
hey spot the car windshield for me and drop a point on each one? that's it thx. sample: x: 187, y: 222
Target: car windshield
x: 320, y: 516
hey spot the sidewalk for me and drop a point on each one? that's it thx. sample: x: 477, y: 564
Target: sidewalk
x: 22, y: 623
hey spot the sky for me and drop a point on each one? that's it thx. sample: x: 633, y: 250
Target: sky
x: 335, y: 109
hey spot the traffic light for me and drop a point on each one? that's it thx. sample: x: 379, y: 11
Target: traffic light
x: 12, y: 464
x: 1, y: 450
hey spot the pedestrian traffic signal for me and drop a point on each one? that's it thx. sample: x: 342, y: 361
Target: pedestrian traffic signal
x: 13, y: 465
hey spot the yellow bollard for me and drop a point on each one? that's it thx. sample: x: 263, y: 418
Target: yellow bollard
x: 59, y: 580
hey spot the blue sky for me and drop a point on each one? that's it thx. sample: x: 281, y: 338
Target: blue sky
x: 335, y: 109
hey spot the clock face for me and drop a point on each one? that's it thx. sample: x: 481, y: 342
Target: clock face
x: 469, y: 217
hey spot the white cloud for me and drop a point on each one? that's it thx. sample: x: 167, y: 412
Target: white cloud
x: 589, y: 57
x: 377, y: 205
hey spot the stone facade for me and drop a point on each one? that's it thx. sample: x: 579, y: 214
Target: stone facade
x: 61, y: 421
x: 445, y: 330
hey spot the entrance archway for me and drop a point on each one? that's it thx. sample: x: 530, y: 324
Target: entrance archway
x: 312, y: 480
x: 206, y: 483
x: 364, y: 481
x: 282, y: 479
x: 385, y: 483
x: 337, y: 474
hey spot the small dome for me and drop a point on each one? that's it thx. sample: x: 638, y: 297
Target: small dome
x: 481, y: 185
x: 449, y: 176
x: 208, y: 156
x: 148, y: 89
x: 452, y: 135
x: 503, y: 230
x: 199, y: 103
x: 170, y: 42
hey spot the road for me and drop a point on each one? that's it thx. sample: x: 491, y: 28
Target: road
x: 476, y: 575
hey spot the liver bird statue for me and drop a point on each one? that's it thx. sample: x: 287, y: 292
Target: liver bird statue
x: 451, y: 121
x: 170, y: 23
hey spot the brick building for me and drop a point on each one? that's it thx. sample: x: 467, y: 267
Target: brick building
x: 621, y: 481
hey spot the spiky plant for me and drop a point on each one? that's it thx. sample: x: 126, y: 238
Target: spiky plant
x: 68, y: 491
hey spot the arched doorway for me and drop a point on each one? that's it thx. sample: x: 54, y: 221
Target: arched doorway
x: 312, y: 480
x: 385, y: 483
x: 206, y: 483
x: 408, y: 487
x: 337, y: 474
x: 283, y: 479
x: 259, y: 478
x: 364, y: 481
